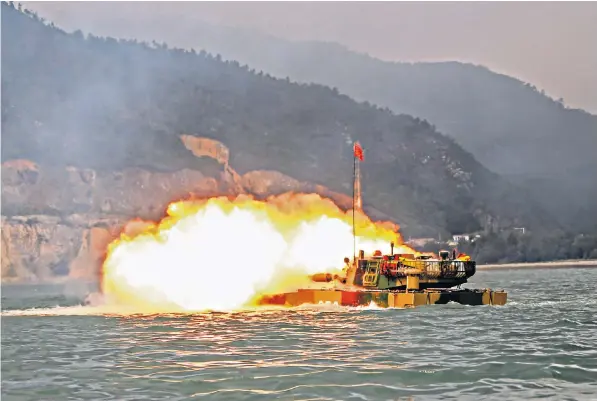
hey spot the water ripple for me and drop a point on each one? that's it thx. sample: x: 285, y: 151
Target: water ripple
x: 542, y: 344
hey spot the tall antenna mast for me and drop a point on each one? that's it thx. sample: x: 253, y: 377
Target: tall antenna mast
x: 356, y: 192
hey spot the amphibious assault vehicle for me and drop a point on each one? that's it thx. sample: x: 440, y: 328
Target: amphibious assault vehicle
x: 394, y: 280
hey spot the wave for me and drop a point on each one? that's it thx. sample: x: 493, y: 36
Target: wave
x: 121, y: 310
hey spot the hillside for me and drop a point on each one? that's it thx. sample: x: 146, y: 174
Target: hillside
x: 508, y: 125
x: 111, y: 104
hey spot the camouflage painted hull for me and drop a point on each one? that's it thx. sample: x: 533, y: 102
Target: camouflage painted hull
x: 385, y: 298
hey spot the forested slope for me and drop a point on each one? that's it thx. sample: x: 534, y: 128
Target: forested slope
x: 510, y: 126
x: 108, y: 104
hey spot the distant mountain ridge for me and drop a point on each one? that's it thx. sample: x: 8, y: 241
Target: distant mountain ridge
x: 508, y: 125
x: 110, y: 104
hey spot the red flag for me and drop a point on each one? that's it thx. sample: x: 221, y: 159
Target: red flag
x: 358, y: 151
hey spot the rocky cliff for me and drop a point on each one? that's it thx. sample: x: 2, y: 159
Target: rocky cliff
x: 58, y: 222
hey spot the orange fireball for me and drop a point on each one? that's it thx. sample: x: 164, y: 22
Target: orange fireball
x: 218, y: 253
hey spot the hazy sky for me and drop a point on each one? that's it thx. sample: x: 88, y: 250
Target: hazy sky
x: 551, y: 45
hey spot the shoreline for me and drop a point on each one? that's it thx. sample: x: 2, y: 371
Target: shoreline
x: 50, y: 281
x: 537, y: 265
